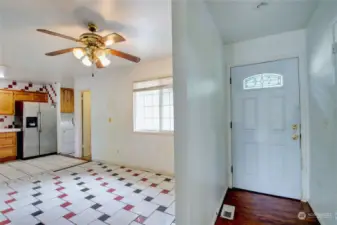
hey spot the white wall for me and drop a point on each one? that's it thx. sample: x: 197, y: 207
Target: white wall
x: 274, y: 47
x: 323, y: 115
x: 112, y: 97
x: 1, y: 45
x: 200, y: 114
x: 58, y: 117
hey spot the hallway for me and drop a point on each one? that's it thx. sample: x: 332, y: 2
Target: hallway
x: 258, y: 209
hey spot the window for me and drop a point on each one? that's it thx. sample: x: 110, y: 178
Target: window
x: 265, y: 80
x: 153, y: 106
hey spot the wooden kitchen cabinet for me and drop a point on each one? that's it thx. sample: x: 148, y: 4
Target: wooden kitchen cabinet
x: 40, y: 97
x: 8, y: 98
x: 23, y: 96
x: 7, y: 146
x: 67, y: 100
x: 27, y: 96
x: 6, y: 102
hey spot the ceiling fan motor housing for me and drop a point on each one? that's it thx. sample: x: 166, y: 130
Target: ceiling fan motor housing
x: 92, y: 27
x: 92, y: 39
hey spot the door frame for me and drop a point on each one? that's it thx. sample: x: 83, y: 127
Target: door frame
x: 82, y: 130
x: 304, y: 112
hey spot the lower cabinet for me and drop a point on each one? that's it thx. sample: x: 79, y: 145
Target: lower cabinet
x: 7, y: 146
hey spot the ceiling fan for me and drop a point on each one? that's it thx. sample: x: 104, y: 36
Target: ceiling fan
x: 94, y: 49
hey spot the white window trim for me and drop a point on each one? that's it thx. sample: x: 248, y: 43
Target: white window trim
x: 164, y: 133
x: 160, y: 88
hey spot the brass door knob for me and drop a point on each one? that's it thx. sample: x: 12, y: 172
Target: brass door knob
x: 295, y: 137
x: 294, y: 126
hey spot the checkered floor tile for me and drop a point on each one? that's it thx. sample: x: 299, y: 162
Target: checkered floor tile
x: 23, y: 168
x: 91, y: 193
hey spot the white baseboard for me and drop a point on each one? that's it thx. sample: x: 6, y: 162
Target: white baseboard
x: 320, y: 220
x: 165, y: 173
x: 217, y: 212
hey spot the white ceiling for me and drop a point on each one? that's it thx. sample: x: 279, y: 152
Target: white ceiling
x: 240, y: 20
x: 146, y: 24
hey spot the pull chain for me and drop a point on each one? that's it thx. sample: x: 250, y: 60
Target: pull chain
x: 93, y: 70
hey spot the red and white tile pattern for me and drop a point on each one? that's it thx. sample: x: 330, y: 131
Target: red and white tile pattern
x: 7, y: 121
x: 91, y: 193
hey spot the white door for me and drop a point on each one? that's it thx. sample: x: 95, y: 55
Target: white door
x: 266, y: 128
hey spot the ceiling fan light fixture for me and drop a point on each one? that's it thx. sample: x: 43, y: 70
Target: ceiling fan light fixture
x: 113, y: 38
x: 104, y: 60
x: 100, y: 53
x: 78, y: 53
x: 86, y: 61
x: 108, y: 42
x: 94, y: 49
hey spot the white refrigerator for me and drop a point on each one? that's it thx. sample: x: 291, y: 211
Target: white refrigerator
x: 39, y: 129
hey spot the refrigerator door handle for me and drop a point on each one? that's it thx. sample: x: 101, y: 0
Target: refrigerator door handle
x: 38, y: 122
x: 40, y: 125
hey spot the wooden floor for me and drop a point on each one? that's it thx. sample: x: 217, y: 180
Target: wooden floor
x: 258, y: 209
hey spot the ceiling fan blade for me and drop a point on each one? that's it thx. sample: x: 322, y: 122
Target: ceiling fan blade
x: 59, y: 52
x: 113, y: 38
x: 57, y: 34
x: 123, y: 55
x: 99, y: 64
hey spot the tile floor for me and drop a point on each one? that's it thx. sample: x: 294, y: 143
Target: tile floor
x: 91, y: 193
x: 19, y: 169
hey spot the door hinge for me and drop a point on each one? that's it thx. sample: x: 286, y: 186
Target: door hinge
x: 231, y: 125
x: 232, y: 169
x: 334, y: 48
x: 230, y: 80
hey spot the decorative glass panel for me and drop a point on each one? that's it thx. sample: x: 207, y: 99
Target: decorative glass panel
x: 265, y: 80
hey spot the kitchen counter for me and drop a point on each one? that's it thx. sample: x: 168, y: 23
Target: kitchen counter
x: 9, y: 130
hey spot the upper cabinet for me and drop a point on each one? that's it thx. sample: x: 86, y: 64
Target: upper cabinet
x: 67, y: 100
x: 6, y: 103
x: 8, y: 98
x: 40, y: 97
x: 30, y: 96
